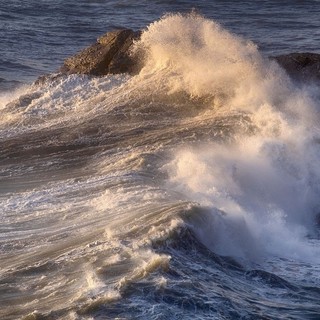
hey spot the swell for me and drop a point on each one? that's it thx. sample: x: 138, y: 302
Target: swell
x: 222, y: 287
x: 200, y: 284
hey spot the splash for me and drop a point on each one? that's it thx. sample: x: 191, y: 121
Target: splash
x: 258, y: 197
x: 198, y: 56
x: 263, y: 188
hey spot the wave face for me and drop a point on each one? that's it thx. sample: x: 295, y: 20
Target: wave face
x: 189, y: 190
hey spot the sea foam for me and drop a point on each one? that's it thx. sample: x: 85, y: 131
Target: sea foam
x: 265, y: 183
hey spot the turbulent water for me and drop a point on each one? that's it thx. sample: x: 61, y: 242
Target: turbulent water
x: 188, y: 191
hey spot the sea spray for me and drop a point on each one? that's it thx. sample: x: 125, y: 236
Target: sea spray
x: 198, y: 56
x: 268, y: 179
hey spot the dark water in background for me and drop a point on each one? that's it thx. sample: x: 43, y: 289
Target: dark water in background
x: 189, y: 191
x: 36, y: 36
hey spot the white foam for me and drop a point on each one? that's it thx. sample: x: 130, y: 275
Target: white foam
x: 266, y: 183
x: 198, y: 56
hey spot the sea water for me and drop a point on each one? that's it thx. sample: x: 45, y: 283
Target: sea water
x: 190, y: 190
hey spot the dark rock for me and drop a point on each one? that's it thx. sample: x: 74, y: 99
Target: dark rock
x: 124, y: 61
x: 301, y: 66
x: 110, y: 54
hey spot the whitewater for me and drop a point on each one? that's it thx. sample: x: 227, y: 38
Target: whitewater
x: 187, y: 191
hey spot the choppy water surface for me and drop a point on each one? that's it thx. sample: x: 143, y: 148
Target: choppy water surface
x: 190, y: 190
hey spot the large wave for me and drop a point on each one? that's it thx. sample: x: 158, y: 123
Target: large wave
x: 263, y: 187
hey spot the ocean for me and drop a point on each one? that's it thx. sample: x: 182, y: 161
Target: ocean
x: 190, y: 190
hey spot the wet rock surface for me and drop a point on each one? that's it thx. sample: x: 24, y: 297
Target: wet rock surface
x: 112, y: 54
x: 301, y: 66
x: 109, y: 55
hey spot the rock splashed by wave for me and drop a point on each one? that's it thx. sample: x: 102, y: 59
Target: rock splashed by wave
x: 188, y: 190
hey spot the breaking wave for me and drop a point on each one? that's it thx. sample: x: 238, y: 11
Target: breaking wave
x: 203, y: 164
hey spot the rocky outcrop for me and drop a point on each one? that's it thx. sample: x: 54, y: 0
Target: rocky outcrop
x: 109, y: 55
x: 301, y: 66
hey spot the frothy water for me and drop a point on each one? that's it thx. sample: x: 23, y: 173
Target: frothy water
x: 265, y: 182
x: 190, y: 189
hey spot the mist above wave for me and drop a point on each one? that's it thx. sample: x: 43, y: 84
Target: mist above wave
x: 266, y: 183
